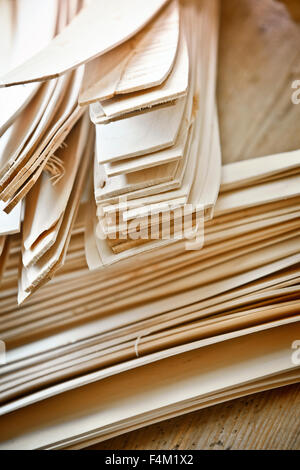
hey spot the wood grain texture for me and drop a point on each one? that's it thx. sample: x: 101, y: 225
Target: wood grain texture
x: 171, y: 89
x: 259, y: 58
x: 157, y: 129
x: 144, y: 61
x: 268, y: 420
x: 257, y: 118
x: 97, y: 29
x: 13, y: 101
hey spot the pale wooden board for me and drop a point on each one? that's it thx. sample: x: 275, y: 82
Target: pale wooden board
x: 10, y: 223
x: 142, y: 62
x: 256, y: 169
x: 148, y: 344
x: 183, y: 176
x: 96, y: 30
x: 173, y: 88
x: 152, y: 209
x: 27, y: 41
x: 223, y: 375
x: 47, y: 240
x: 249, y: 423
x: 47, y: 204
x: 259, y: 289
x: 123, y: 167
x: 18, y: 135
x: 151, y: 181
x: 138, y: 135
x: 282, y: 380
x: 203, y: 180
x: 174, y: 153
x: 44, y: 269
x: 66, y: 117
x: 60, y: 357
x: 268, y: 192
x: 47, y: 112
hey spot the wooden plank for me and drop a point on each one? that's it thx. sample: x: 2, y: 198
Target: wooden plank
x: 123, y: 308
x: 48, y: 110
x: 174, y: 153
x: 139, y: 135
x: 37, y: 274
x: 48, y: 202
x: 189, y: 389
x: 250, y: 171
x: 23, y: 128
x: 13, y: 101
x: 142, y: 62
x: 249, y: 423
x: 268, y: 192
x: 26, y: 175
x: 173, y: 88
x: 95, y: 30
x: 14, y: 384
x: 10, y: 223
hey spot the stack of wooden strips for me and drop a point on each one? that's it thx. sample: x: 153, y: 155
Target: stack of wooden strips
x: 238, y: 298
x: 131, y: 331
x: 157, y: 137
x: 46, y: 137
x: 45, y: 145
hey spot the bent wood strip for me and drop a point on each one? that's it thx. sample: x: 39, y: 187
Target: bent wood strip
x: 142, y: 62
x: 99, y: 27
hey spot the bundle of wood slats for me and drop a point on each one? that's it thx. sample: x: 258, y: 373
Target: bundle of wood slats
x: 159, y: 147
x: 149, y: 314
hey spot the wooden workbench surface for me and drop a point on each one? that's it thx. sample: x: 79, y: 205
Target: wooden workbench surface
x: 268, y: 420
x: 259, y: 60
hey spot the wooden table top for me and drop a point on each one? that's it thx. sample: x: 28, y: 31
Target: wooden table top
x: 268, y: 420
x: 258, y: 61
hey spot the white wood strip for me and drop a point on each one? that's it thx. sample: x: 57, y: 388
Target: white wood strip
x: 142, y: 62
x: 139, y: 135
x: 27, y: 42
x: 173, y: 88
x: 99, y: 27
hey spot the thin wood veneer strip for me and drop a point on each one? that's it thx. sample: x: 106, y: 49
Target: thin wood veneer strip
x: 99, y: 27
x: 142, y: 62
